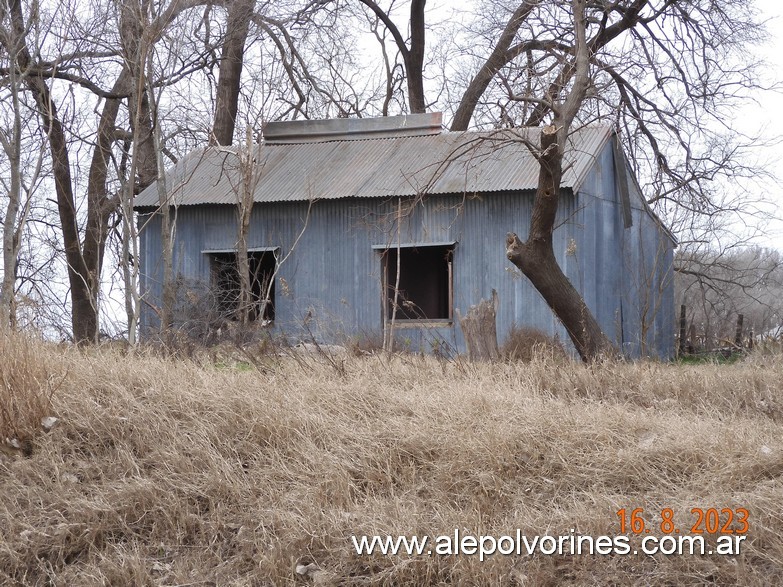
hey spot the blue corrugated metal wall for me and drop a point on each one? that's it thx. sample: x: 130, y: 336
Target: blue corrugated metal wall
x: 628, y: 279
x: 334, y: 274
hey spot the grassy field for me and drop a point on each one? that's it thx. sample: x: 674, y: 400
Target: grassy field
x: 181, y: 472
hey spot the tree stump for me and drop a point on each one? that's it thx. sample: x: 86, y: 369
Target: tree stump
x: 480, y: 331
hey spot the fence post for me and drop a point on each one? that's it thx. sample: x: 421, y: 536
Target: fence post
x: 692, y: 337
x: 738, y: 334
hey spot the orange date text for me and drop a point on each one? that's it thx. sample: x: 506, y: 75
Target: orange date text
x: 700, y: 521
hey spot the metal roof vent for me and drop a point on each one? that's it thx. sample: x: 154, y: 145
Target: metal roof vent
x: 352, y: 129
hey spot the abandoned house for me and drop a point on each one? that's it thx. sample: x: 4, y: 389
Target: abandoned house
x: 347, y: 213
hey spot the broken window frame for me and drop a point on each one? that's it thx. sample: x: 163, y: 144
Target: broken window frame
x: 388, y: 278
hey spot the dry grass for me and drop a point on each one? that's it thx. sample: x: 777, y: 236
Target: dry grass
x: 526, y: 344
x: 25, y: 390
x: 165, y: 472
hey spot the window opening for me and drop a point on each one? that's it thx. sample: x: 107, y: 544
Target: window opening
x: 425, y: 289
x: 225, y: 281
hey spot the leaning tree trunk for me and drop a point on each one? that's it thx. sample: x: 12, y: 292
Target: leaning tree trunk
x: 500, y: 56
x: 536, y: 257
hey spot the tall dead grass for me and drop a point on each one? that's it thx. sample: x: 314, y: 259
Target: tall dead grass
x: 25, y: 391
x: 165, y: 472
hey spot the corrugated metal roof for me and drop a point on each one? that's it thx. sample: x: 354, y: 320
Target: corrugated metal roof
x: 446, y: 163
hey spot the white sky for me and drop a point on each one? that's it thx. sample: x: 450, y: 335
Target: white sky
x: 766, y: 117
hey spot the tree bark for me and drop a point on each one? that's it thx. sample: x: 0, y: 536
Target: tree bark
x: 166, y: 244
x: 11, y: 230
x: 245, y: 192
x: 504, y: 53
x: 536, y: 257
x: 413, y: 56
x: 84, y: 258
x: 414, y: 62
x: 11, y: 235
x: 134, y: 25
x: 84, y: 263
x: 144, y: 165
x: 230, y: 75
x: 83, y: 311
x: 537, y: 261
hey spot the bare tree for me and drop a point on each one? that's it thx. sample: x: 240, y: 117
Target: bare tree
x: 248, y: 173
x: 506, y: 49
x: 84, y: 237
x: 137, y: 83
x: 717, y: 285
x: 25, y: 159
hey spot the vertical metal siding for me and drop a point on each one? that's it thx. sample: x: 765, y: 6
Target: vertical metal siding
x: 335, y: 274
x: 622, y: 272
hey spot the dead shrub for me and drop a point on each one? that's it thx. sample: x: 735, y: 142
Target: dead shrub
x: 364, y: 344
x: 25, y: 390
x: 525, y: 344
x: 767, y: 346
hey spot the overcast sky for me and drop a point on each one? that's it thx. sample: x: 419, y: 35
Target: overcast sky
x: 767, y: 116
